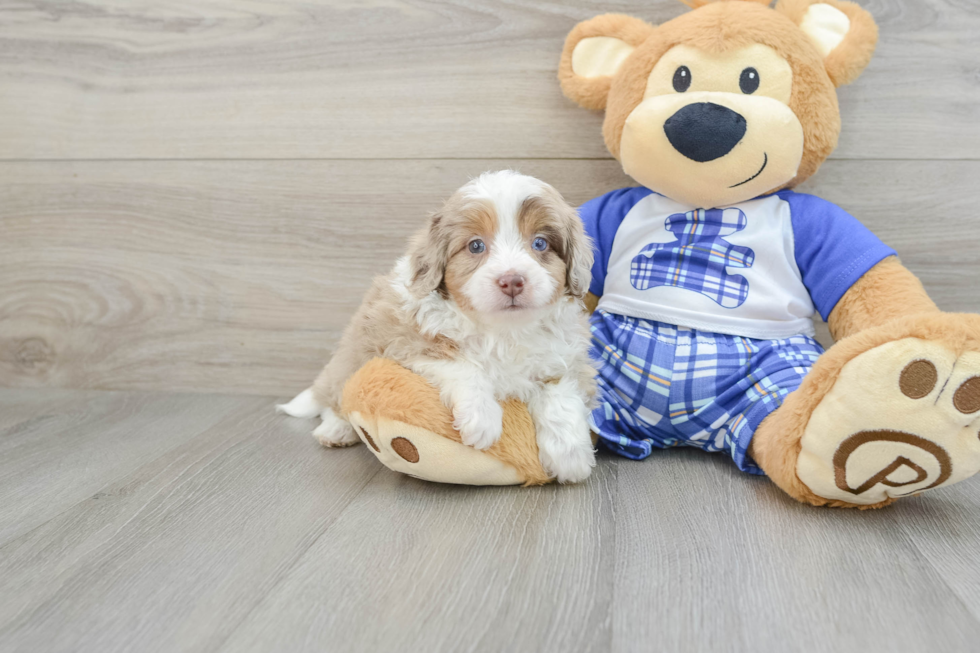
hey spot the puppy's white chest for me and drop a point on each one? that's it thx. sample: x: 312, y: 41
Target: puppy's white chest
x: 515, y: 368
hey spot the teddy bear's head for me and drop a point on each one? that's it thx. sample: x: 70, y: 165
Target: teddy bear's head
x: 724, y: 103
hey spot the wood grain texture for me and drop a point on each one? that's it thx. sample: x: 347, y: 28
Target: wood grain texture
x: 20, y: 405
x: 174, y: 554
x: 948, y: 534
x: 69, y: 451
x: 450, y: 569
x: 749, y: 568
x: 239, y: 276
x: 246, y: 536
x: 400, y: 79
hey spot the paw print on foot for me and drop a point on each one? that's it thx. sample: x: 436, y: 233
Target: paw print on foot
x: 902, y: 418
x: 698, y: 259
x: 400, y: 446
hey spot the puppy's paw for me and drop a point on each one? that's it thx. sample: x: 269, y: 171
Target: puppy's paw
x: 479, y: 420
x: 335, y: 431
x: 561, y: 422
x: 569, y: 462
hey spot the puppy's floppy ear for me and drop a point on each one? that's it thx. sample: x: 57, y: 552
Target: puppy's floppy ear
x: 428, y: 256
x: 576, y: 250
x: 579, y: 265
x: 843, y: 33
x: 594, y: 51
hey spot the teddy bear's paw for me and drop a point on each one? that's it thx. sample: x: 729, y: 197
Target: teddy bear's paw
x: 479, y: 420
x: 901, y: 418
x: 335, y: 431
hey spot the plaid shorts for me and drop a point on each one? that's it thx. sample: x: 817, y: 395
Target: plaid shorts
x: 666, y: 386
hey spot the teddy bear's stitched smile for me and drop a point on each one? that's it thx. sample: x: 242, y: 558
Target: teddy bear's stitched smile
x: 765, y: 162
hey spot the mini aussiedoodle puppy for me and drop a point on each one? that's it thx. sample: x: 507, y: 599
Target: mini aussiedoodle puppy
x: 487, y: 305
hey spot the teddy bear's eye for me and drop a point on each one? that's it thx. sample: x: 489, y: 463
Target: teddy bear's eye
x: 682, y: 79
x: 749, y: 81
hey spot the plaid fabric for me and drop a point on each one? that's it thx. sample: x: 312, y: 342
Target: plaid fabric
x: 666, y: 386
x: 698, y: 258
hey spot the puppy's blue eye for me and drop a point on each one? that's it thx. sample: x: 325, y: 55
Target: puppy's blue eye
x: 477, y: 247
x: 540, y: 244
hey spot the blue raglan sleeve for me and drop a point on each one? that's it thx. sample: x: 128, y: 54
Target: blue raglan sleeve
x: 833, y: 249
x: 602, y: 217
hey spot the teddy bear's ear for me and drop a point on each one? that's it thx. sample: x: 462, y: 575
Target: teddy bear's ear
x: 594, y: 51
x: 844, y: 33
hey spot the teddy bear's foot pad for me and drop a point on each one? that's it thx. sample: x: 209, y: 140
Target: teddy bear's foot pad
x: 429, y: 456
x: 901, y: 418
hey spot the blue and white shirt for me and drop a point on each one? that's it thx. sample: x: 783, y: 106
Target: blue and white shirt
x: 758, y: 269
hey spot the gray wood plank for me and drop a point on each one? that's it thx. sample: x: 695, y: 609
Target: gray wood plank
x: 711, y: 559
x: 946, y: 531
x: 399, y: 78
x: 18, y: 405
x: 173, y: 555
x: 65, y: 455
x: 412, y: 566
x: 239, y: 276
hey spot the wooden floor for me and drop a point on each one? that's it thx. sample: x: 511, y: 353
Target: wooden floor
x: 195, y: 522
x: 194, y: 194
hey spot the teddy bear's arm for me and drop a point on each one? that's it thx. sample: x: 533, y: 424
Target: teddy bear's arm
x: 885, y: 292
x: 591, y: 301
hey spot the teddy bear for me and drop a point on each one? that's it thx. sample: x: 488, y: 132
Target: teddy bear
x: 707, y: 276
x: 708, y: 273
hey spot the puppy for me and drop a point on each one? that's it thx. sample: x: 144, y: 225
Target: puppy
x: 486, y: 305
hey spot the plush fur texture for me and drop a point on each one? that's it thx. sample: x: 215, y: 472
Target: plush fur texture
x: 591, y: 93
x: 382, y: 388
x: 446, y: 313
x: 591, y: 303
x: 886, y: 292
x: 849, y: 59
x: 718, y: 27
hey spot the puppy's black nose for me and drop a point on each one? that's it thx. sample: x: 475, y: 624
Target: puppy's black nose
x: 511, y: 284
x: 704, y: 131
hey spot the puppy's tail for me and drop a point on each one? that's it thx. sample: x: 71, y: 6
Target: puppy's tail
x: 303, y: 405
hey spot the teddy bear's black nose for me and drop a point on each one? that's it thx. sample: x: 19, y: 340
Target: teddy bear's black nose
x: 704, y: 131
